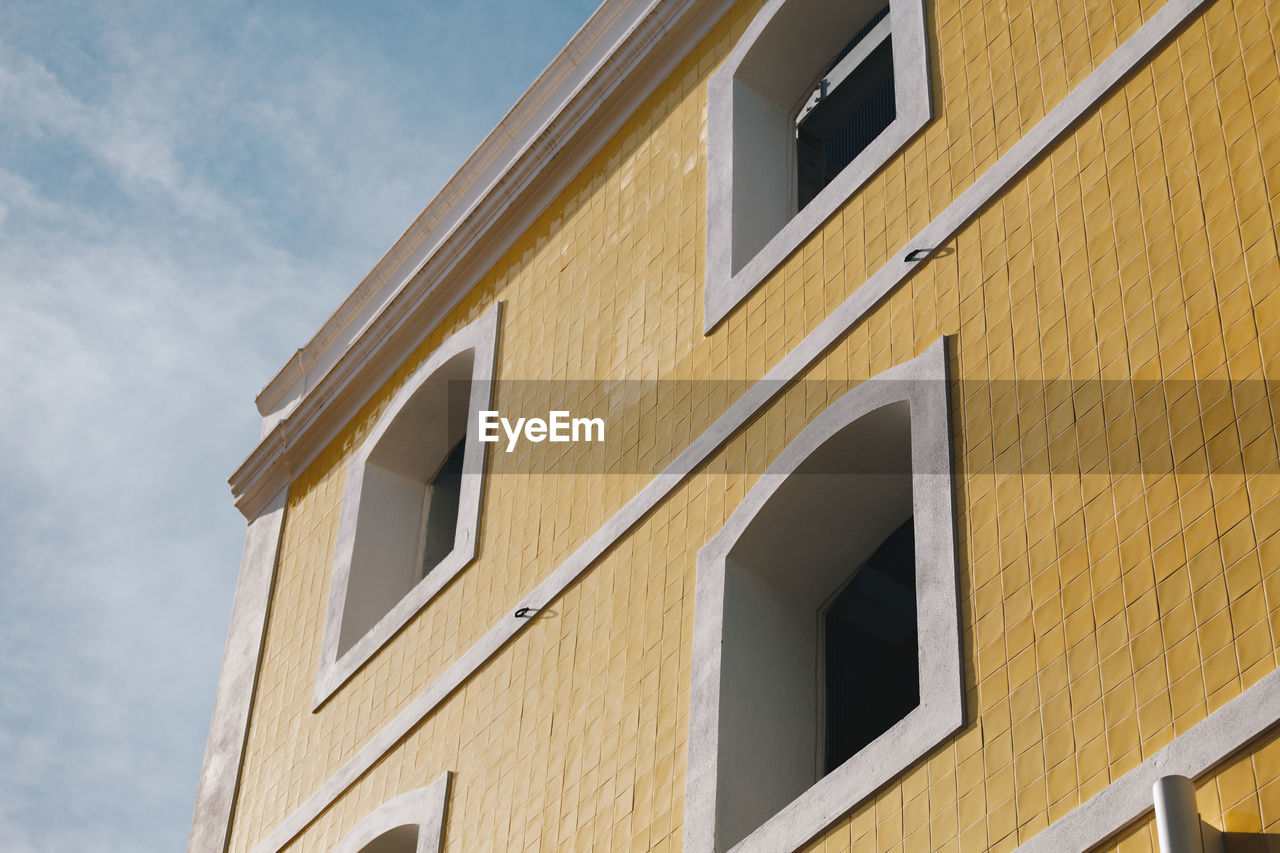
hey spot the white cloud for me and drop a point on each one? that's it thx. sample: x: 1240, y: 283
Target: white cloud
x: 134, y: 327
x: 185, y: 193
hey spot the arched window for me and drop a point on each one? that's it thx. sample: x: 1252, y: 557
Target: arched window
x: 402, y: 839
x: 410, y: 504
x: 813, y: 100
x: 411, y: 823
x: 826, y: 642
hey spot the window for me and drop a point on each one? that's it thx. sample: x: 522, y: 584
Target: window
x: 402, y: 839
x: 407, y: 507
x: 826, y: 631
x: 814, y: 99
x: 869, y: 637
x: 410, y: 823
x: 850, y: 106
x: 440, y: 511
x: 411, y: 503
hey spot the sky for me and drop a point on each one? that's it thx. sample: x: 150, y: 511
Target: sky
x: 187, y: 191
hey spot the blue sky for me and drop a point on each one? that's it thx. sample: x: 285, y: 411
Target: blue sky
x: 186, y: 192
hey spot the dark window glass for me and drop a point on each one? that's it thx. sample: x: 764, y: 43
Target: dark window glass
x: 441, y: 525
x: 872, y: 649
x: 846, y: 118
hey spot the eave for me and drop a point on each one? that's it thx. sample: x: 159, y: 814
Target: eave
x: 591, y: 87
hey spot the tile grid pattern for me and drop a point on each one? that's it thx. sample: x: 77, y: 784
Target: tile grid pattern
x: 1147, y: 310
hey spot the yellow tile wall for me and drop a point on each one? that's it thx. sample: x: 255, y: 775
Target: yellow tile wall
x: 1103, y: 612
x: 1240, y: 799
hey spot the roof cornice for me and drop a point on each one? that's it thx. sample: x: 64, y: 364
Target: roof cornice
x: 618, y: 57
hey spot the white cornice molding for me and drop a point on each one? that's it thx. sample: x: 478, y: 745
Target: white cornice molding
x: 571, y: 110
x: 522, y: 122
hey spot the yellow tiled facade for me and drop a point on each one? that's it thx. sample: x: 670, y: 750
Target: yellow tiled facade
x: 1115, y: 313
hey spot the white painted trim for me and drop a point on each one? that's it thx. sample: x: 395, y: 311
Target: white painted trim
x: 727, y: 286
x: 466, y: 229
x: 1192, y: 754
x: 1051, y: 128
x: 424, y: 808
x: 224, y: 751
x: 921, y: 382
x: 481, y: 337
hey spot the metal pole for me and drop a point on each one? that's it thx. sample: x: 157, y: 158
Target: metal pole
x: 1177, y: 818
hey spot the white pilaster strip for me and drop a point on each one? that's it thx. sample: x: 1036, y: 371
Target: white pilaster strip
x: 224, y: 752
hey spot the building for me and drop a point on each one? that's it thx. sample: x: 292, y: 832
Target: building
x: 983, y: 602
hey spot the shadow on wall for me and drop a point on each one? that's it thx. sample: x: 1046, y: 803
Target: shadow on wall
x: 1245, y: 842
x: 1242, y: 832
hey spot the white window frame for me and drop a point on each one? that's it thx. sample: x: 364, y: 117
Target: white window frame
x: 752, y: 226
x: 921, y: 383
x: 338, y: 664
x: 423, y: 809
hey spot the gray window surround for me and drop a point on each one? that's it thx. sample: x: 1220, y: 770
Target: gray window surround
x: 921, y: 384
x: 752, y: 101
x: 422, y: 810
x: 340, y: 658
